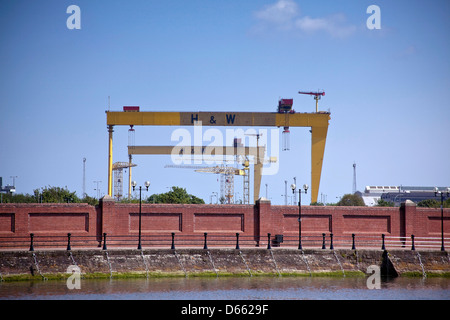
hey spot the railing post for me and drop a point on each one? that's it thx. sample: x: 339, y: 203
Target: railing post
x: 412, y: 246
x: 31, y: 241
x: 237, y: 241
x: 104, y: 241
x: 268, y: 241
x: 323, y: 241
x: 68, y: 242
x: 383, y: 247
x: 353, y: 242
x: 331, y: 241
x: 205, y: 246
x: 173, y: 241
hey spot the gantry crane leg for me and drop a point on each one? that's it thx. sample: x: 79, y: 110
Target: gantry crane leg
x: 257, y: 180
x: 318, y: 139
x: 110, y: 160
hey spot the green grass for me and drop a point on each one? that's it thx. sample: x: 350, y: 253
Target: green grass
x: 206, y: 274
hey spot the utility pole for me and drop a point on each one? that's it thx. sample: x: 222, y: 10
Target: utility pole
x: 84, y: 177
x: 285, y: 193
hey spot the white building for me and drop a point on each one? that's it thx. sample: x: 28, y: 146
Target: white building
x: 397, y: 195
x: 372, y: 194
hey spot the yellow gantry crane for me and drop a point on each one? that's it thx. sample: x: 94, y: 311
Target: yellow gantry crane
x: 206, y: 153
x: 318, y: 122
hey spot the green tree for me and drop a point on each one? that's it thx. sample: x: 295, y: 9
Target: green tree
x: 176, y: 195
x: 384, y: 203
x: 89, y: 200
x: 17, y: 198
x: 48, y: 195
x: 433, y: 203
x: 55, y: 195
x: 351, y: 200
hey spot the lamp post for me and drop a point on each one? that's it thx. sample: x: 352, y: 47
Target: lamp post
x: 441, y: 193
x: 305, y: 187
x: 146, y: 184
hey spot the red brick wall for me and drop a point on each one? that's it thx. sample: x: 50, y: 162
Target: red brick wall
x: 23, y: 218
x: 426, y: 222
x: 178, y: 218
x: 421, y: 222
x: 19, y: 220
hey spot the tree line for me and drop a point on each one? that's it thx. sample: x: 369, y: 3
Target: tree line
x: 63, y: 195
x: 176, y: 195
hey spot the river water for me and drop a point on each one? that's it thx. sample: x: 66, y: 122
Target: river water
x: 230, y: 288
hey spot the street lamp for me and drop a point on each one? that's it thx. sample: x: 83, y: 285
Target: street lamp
x: 146, y: 184
x: 305, y: 187
x: 441, y: 193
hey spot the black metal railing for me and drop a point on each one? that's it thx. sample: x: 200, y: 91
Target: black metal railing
x: 217, y: 240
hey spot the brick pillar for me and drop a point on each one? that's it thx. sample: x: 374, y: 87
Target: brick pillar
x: 187, y: 219
x: 263, y: 218
x: 107, y: 210
x: 408, y: 220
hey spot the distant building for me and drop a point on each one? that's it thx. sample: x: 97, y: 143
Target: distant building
x: 372, y: 194
x: 397, y: 195
x: 6, y: 189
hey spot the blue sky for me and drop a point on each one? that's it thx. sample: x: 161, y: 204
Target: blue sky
x: 387, y: 89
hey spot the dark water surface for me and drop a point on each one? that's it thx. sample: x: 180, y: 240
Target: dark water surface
x: 242, y: 288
